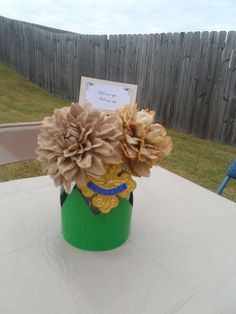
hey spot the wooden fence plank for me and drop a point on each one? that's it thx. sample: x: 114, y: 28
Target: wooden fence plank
x: 188, y: 78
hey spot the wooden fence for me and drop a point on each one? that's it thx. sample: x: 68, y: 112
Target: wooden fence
x: 188, y: 78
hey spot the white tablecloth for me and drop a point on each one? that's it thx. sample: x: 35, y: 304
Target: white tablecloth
x: 180, y: 257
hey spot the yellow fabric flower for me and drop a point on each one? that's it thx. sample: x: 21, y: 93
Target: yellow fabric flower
x: 77, y: 141
x: 144, y: 143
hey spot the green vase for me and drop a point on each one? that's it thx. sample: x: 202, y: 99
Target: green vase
x: 94, y: 232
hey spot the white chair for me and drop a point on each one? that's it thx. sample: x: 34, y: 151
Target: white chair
x: 18, y: 141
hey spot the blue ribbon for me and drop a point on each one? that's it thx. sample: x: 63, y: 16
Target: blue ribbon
x: 113, y: 191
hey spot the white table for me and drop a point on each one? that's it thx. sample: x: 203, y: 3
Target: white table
x: 180, y: 257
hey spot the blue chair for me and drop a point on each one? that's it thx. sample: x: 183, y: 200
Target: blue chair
x: 230, y: 174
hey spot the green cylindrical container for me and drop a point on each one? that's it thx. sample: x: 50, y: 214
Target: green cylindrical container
x: 94, y: 232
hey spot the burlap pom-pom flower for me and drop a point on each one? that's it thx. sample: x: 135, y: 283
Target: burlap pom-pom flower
x: 78, y: 141
x: 144, y: 143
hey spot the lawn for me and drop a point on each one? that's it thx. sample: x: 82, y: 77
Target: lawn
x: 21, y: 100
x: 198, y: 160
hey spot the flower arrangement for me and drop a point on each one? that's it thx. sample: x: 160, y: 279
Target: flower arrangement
x: 100, y: 151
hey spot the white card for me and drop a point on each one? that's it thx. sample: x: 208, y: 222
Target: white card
x: 106, y: 95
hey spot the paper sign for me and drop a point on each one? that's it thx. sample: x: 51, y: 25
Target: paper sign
x: 106, y: 95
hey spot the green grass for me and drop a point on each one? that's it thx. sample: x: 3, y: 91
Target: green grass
x: 21, y: 100
x: 200, y: 161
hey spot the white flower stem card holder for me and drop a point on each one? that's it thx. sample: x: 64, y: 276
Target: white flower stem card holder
x: 106, y: 95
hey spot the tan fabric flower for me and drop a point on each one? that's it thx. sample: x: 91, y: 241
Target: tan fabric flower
x: 144, y: 143
x: 78, y: 141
